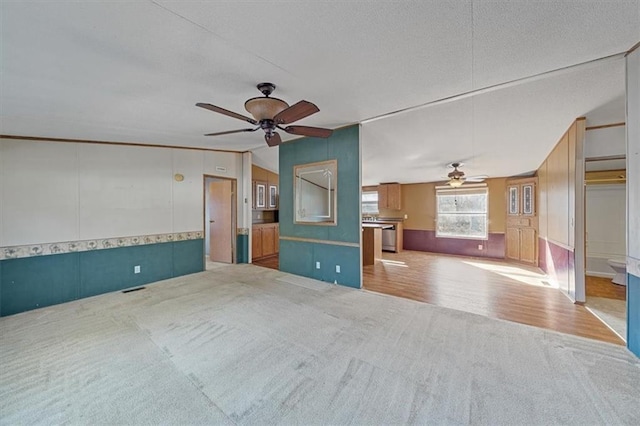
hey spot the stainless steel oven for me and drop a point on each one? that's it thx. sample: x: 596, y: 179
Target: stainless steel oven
x: 389, y: 238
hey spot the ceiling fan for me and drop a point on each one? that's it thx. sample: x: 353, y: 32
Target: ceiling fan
x: 456, y: 177
x: 269, y: 114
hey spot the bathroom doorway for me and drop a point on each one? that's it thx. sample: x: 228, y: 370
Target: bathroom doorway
x: 605, y: 242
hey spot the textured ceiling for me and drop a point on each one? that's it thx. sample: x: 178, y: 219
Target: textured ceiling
x: 132, y: 72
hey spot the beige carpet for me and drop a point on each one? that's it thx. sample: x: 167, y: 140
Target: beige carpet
x: 236, y: 345
x: 612, y: 312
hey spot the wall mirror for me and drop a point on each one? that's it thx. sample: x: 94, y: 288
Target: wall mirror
x: 315, y: 186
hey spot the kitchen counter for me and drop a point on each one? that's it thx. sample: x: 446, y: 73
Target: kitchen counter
x: 371, y: 243
x: 392, y: 237
x: 264, y: 224
x: 377, y: 225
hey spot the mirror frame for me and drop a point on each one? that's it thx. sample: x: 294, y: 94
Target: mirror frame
x: 332, y: 218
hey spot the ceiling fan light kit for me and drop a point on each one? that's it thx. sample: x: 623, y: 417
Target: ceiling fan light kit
x: 455, y: 182
x: 269, y: 113
x: 457, y: 177
x: 265, y: 108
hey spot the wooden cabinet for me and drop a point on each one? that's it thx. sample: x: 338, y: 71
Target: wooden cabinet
x: 389, y: 196
x: 256, y: 242
x: 259, y: 192
x: 521, y: 239
x: 272, y: 196
x: 264, y: 189
x: 265, y: 240
x: 264, y: 195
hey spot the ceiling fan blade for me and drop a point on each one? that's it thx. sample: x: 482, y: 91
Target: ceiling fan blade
x: 295, y: 112
x: 226, y: 112
x: 273, y: 140
x: 316, y: 132
x: 228, y: 132
x: 478, y: 178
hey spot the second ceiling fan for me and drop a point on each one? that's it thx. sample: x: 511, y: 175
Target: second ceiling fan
x: 270, y: 114
x: 456, y: 177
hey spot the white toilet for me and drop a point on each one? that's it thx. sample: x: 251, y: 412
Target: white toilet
x: 620, y: 268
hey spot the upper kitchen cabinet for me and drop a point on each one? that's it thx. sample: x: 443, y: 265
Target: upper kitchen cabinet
x: 389, y: 196
x: 265, y: 189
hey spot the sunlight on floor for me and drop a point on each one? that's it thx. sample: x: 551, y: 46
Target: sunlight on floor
x: 515, y: 273
x: 394, y: 263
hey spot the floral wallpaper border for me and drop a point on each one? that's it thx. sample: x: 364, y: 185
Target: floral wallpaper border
x: 17, y: 252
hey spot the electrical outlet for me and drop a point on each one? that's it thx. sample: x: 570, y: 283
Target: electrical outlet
x: 479, y: 246
x: 337, y: 269
x: 317, y: 265
x: 406, y: 216
x: 136, y: 269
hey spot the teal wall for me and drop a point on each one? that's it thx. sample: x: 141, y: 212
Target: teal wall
x: 38, y: 281
x: 633, y: 314
x: 300, y: 257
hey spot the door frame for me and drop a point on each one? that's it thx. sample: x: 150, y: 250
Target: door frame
x: 234, y: 214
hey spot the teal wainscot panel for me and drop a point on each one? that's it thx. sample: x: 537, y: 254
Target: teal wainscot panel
x: 320, y: 261
x: 296, y: 257
x: 188, y: 257
x: 38, y: 281
x: 102, y: 271
x: 242, y: 248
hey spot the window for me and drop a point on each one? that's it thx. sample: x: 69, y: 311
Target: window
x: 462, y: 212
x: 369, y: 202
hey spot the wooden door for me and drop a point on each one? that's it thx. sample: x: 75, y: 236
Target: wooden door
x: 220, y: 221
x: 522, y: 221
x: 513, y: 243
x: 528, y: 242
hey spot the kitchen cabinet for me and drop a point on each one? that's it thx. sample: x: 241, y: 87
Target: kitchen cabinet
x: 272, y: 202
x: 389, y: 196
x: 265, y: 184
x: 259, y: 192
x: 521, y: 238
x: 265, y: 240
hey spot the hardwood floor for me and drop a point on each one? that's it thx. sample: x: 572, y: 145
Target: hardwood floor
x: 490, y: 288
x: 603, y: 287
x: 272, y: 262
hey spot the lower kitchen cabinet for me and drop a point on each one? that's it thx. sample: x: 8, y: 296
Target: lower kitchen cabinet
x: 265, y: 240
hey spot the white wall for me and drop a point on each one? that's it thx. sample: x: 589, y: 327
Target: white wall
x: 606, y: 227
x: 39, y: 192
x: 58, y: 191
x: 605, y: 142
